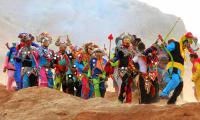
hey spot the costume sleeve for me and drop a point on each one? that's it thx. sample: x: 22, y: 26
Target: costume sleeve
x: 6, y: 60
x: 196, y: 74
x: 91, y: 64
x: 115, y: 58
x: 135, y: 59
x: 114, y: 64
x: 104, y: 61
x: 18, y: 47
x: 40, y: 52
x: 171, y: 46
x: 36, y: 57
x: 34, y: 45
x: 104, y: 73
x: 89, y: 72
x: 147, y: 51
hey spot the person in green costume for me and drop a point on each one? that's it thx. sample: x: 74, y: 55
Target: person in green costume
x: 61, y: 63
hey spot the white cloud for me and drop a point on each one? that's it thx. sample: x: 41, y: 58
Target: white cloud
x: 188, y: 10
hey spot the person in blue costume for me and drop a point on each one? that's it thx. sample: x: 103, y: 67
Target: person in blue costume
x: 9, y: 66
x: 175, y: 67
x: 79, y: 68
x: 98, y: 74
x: 45, y: 60
x: 79, y: 63
x: 27, y: 60
x: 17, y: 61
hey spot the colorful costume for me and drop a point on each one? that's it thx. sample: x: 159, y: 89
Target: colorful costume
x: 18, y: 61
x: 98, y: 75
x: 196, y: 77
x: 45, y: 61
x: 175, y: 67
x: 82, y: 76
x: 27, y: 56
x: 9, y: 66
x: 61, y: 65
x: 124, y: 57
x: 152, y: 73
x: 71, y: 78
x: 87, y: 85
x: 144, y: 96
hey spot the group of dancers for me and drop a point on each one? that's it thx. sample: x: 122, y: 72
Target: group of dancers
x: 83, y: 71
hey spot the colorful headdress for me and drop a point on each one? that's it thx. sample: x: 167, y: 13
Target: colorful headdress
x: 63, y: 41
x: 25, y: 37
x: 126, y: 36
x: 188, y: 37
x: 44, y: 37
x: 98, y: 50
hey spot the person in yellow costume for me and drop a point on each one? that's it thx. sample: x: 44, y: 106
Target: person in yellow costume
x: 196, y: 74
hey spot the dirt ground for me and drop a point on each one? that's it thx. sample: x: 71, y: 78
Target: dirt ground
x: 47, y: 104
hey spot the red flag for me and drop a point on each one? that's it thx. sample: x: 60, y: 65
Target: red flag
x: 110, y: 37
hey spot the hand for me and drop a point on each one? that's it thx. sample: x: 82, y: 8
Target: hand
x: 6, y: 44
x: 162, y: 45
x: 110, y: 61
x: 160, y: 37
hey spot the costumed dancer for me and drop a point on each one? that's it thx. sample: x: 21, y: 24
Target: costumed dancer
x: 61, y: 65
x: 79, y: 63
x: 77, y: 80
x: 28, y: 56
x: 175, y: 67
x: 141, y: 80
x: 45, y: 61
x: 9, y: 66
x: 98, y: 74
x: 18, y: 61
x: 87, y: 85
x: 196, y: 74
x: 125, y: 67
x: 152, y: 71
x: 73, y: 82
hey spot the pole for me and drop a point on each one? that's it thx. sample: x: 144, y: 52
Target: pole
x: 109, y: 50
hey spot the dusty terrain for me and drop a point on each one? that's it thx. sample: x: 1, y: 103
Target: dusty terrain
x: 47, y: 104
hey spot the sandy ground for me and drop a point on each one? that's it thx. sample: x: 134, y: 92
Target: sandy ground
x: 47, y: 104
